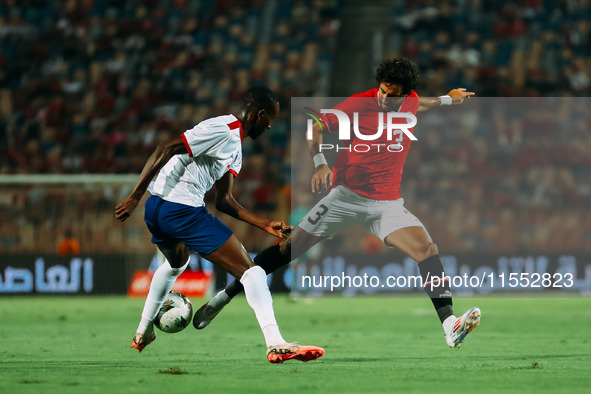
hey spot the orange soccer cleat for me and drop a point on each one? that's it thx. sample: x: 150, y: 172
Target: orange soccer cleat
x: 140, y: 341
x: 293, y: 351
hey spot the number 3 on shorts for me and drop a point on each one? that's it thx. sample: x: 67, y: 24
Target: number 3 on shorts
x: 321, y: 212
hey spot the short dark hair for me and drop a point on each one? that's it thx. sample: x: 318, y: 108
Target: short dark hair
x: 399, y: 71
x: 257, y: 98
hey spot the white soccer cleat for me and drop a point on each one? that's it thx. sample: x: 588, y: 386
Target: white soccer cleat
x: 458, y: 330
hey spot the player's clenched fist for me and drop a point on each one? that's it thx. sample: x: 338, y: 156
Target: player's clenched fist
x: 322, y: 179
x: 125, y: 208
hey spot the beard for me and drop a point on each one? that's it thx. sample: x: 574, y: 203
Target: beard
x: 391, y: 104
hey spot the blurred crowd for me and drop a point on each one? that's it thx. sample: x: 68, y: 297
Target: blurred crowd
x: 92, y: 86
x: 497, y: 48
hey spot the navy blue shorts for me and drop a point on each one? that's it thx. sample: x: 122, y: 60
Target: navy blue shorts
x: 171, y: 223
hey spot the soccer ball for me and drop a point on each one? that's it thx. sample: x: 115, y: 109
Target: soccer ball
x: 176, y: 313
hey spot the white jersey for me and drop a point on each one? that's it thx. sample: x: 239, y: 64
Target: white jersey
x: 214, y: 148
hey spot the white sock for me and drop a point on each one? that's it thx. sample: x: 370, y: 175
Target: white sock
x: 259, y: 298
x: 448, y: 322
x: 162, y: 282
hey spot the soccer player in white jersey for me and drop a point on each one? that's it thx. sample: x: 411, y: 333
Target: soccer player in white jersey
x: 178, y: 174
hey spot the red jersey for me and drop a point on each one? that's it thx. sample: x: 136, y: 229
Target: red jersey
x: 377, y: 173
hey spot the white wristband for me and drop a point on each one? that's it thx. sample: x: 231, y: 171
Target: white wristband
x: 319, y: 160
x: 445, y: 100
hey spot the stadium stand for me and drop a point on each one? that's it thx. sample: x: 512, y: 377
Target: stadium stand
x: 92, y: 86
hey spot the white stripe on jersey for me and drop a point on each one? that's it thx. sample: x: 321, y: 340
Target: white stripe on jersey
x: 215, y: 148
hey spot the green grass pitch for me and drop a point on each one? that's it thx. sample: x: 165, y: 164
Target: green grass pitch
x: 81, y: 345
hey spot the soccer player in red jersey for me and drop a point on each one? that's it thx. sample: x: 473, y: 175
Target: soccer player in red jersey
x: 365, y: 189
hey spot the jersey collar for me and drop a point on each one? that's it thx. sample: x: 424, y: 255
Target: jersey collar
x: 236, y: 124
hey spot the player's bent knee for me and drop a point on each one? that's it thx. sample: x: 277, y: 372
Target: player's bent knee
x: 176, y: 255
x: 232, y: 257
x: 428, y: 250
x: 184, y: 252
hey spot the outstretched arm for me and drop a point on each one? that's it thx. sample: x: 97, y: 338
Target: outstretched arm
x: 322, y: 178
x: 155, y: 162
x: 225, y: 202
x: 457, y: 97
